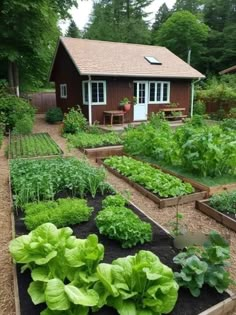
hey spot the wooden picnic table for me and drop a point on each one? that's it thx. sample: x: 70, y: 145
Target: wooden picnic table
x: 112, y: 114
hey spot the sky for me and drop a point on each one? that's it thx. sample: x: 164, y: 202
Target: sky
x: 81, y: 14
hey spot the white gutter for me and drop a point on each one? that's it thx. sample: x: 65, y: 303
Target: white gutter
x: 90, y: 100
x: 192, y: 95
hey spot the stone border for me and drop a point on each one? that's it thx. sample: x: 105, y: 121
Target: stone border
x: 103, y: 151
x: 220, y: 217
x: 162, y: 202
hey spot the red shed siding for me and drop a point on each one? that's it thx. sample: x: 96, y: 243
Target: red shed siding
x: 64, y: 71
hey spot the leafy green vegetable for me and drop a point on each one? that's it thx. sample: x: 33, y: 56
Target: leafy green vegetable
x: 35, y: 180
x: 62, y: 212
x: 121, y: 223
x: 63, y: 268
x: 224, y: 202
x: 206, y: 265
x: 39, y: 144
x: 160, y: 183
x: 137, y: 285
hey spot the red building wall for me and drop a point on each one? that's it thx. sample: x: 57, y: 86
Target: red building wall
x: 64, y: 71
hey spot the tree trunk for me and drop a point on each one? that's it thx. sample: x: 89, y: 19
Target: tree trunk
x: 16, y: 78
x: 10, y: 76
x: 13, y: 77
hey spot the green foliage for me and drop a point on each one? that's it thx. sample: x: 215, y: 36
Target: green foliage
x: 63, y: 268
x: 23, y: 126
x: 199, y: 108
x: 54, y: 115
x: 1, y: 134
x: 204, y: 265
x: 74, y: 121
x: 61, y: 212
x: 114, y: 201
x: 174, y: 36
x: 121, y: 224
x: 228, y: 124
x: 138, y: 284
x: 224, y: 202
x: 73, y: 30
x: 13, y: 110
x: 207, y: 150
x: 160, y: 183
x: 153, y: 139
x: 38, y: 144
x: 35, y: 180
x: 93, y: 140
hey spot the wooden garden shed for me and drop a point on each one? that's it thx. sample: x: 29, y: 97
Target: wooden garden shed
x: 97, y: 75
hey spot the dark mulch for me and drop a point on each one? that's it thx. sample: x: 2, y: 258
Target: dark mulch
x: 161, y: 245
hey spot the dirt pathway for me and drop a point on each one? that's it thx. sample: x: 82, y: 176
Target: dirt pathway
x: 7, y: 306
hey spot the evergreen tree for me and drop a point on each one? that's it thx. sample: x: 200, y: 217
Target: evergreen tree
x: 161, y: 16
x: 193, y: 6
x: 73, y: 30
x: 119, y: 20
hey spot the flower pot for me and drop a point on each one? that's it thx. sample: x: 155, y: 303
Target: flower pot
x: 127, y: 107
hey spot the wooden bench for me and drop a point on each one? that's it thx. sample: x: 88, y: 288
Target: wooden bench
x: 112, y: 114
x: 168, y: 113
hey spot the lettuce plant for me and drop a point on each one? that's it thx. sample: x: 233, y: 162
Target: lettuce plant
x: 137, y: 285
x: 63, y: 268
x: 204, y: 265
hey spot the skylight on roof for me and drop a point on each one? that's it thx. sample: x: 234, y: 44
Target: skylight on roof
x: 152, y: 60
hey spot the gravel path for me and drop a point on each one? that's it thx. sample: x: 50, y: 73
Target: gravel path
x: 192, y: 218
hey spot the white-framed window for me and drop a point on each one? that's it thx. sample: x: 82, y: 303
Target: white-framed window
x: 159, y: 92
x: 98, y: 92
x: 63, y: 90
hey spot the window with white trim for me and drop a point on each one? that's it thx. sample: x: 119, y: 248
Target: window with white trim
x: 159, y: 92
x: 63, y: 90
x: 98, y: 92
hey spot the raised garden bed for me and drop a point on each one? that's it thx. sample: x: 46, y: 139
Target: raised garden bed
x: 162, y: 202
x: 209, y: 303
x: 103, y: 151
x: 34, y: 145
x: 228, y: 220
x: 210, y: 190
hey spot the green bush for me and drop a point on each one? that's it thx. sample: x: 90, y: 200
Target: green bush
x: 122, y: 224
x: 228, y: 124
x: 74, y: 121
x: 14, y: 109
x: 199, y: 108
x: 224, y: 202
x: 62, y: 212
x: 1, y: 134
x: 23, y: 126
x: 54, y: 115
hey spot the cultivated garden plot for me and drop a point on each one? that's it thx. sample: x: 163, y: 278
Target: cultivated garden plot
x: 204, y: 154
x: 77, y: 274
x: 221, y: 207
x: 34, y: 145
x: 162, y: 188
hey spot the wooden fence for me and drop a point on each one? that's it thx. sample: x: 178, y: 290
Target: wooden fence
x: 42, y: 101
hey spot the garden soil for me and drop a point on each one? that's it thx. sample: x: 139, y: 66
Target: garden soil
x: 193, y: 219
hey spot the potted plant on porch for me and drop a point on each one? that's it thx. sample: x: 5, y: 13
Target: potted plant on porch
x: 125, y: 104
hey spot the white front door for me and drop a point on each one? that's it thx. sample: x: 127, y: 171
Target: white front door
x: 141, y: 94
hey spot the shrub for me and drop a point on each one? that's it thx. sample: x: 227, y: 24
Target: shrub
x: 74, y: 121
x: 54, y: 115
x: 62, y: 212
x: 23, y: 126
x: 199, y: 108
x: 228, y: 124
x: 224, y: 202
x: 13, y: 109
x: 1, y: 134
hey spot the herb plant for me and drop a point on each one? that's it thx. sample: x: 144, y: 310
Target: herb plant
x: 120, y: 223
x: 160, y: 183
x: 39, y: 144
x: 224, y: 202
x: 36, y: 180
x: 138, y: 284
x: 63, y: 268
x: 93, y: 140
x: 61, y: 212
x: 74, y: 121
x: 204, y: 265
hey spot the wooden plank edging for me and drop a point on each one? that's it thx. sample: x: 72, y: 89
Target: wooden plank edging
x: 103, y: 151
x: 162, y: 202
x: 216, y: 215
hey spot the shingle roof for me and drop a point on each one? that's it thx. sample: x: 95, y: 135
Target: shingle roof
x: 93, y: 57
